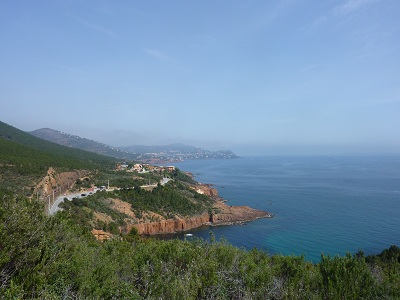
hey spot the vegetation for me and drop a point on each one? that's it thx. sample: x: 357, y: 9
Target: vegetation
x: 167, y: 201
x: 81, y: 143
x: 25, y: 159
x: 22, y: 166
x: 54, y: 258
x: 178, y: 175
x: 57, y: 257
x: 29, y: 155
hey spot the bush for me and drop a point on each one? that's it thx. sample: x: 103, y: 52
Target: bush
x: 52, y: 258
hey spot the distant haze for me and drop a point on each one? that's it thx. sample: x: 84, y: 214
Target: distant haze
x: 255, y: 77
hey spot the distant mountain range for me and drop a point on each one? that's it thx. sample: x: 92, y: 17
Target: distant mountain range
x: 148, y: 154
x: 78, y: 142
x: 177, y: 152
x: 15, y: 135
x: 25, y: 160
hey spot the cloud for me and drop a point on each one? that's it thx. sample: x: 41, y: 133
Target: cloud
x: 310, y: 67
x: 96, y: 27
x: 335, y: 14
x: 268, y: 16
x: 157, y: 54
x: 352, y: 5
x: 72, y: 69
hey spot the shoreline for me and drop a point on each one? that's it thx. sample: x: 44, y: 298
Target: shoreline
x: 171, y: 226
x: 223, y: 215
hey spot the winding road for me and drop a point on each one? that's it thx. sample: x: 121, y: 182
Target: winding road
x: 55, y: 207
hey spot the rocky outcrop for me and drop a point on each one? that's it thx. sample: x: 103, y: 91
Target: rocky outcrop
x: 55, y: 181
x: 236, y: 214
x: 101, y: 235
x: 172, y: 225
x: 206, y: 189
x: 226, y: 215
x: 151, y: 223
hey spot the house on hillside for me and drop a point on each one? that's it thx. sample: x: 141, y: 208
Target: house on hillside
x: 138, y: 168
x: 170, y: 169
x: 121, y: 167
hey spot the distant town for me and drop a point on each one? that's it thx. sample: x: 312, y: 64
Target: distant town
x: 145, y: 154
x: 182, y: 155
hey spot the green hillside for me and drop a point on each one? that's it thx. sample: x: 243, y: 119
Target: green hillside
x: 78, y: 142
x: 25, y: 159
x: 57, y: 257
x: 10, y: 133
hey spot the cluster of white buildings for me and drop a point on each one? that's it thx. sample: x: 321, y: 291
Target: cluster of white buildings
x: 144, y: 168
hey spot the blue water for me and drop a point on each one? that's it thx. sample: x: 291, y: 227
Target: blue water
x: 330, y: 204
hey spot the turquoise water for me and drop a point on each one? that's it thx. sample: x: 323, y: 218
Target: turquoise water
x: 329, y: 205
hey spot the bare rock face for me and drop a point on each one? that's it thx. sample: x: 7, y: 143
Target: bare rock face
x: 220, y: 214
x: 172, y: 226
x: 55, y: 181
x: 207, y: 190
x: 101, y: 235
x: 226, y: 215
x: 236, y: 214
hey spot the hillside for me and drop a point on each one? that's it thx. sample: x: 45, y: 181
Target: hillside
x: 44, y: 169
x: 142, y: 149
x: 178, y: 205
x: 13, y: 134
x: 25, y: 159
x: 176, y: 152
x: 146, y: 154
x: 58, y: 257
x: 78, y: 142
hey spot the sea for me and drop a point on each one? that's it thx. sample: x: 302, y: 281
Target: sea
x: 327, y: 205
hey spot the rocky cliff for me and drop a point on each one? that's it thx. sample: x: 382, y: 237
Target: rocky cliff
x: 206, y: 189
x: 172, y: 226
x: 236, y: 214
x: 226, y: 215
x: 221, y: 214
x: 56, y: 181
x: 101, y: 235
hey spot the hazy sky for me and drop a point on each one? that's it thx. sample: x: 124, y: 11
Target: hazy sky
x: 251, y: 76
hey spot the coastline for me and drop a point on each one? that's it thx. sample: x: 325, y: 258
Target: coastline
x: 221, y: 215
x: 185, y: 224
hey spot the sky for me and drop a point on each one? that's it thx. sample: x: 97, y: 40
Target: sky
x: 254, y: 76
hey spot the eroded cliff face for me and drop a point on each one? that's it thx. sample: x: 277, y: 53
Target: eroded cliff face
x: 207, y: 190
x: 236, y: 214
x: 101, y: 235
x: 54, y: 181
x: 220, y: 214
x: 172, y: 226
x: 226, y: 215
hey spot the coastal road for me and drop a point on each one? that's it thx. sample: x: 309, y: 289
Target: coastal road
x: 55, y: 207
x: 165, y: 180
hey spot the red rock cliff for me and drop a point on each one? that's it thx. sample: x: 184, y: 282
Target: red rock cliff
x: 226, y: 215
x: 236, y: 214
x: 172, y: 226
